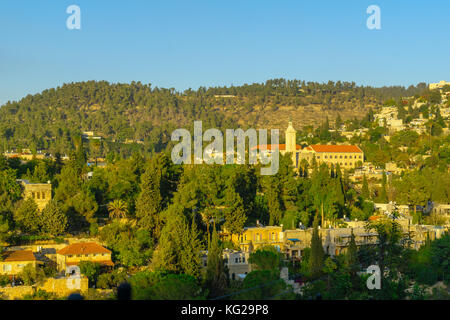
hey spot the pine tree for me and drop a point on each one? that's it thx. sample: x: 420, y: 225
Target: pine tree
x: 149, y: 202
x: 235, y: 213
x: 27, y: 217
x: 53, y: 219
x: 179, y: 248
x: 166, y: 253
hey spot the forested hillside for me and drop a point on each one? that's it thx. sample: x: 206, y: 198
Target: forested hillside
x: 118, y: 112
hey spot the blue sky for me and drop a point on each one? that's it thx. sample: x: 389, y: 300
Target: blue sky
x: 185, y: 44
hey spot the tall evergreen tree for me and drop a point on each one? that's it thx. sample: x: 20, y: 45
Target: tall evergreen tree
x: 317, y: 253
x: 365, y: 189
x: 53, y: 219
x: 352, y: 254
x: 149, y: 202
x: 27, y: 217
x: 235, y: 216
x: 215, y: 278
x: 383, y: 198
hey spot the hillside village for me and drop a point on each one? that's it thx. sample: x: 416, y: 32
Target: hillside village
x: 92, y: 260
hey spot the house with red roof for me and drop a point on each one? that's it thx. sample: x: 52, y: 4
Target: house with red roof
x: 347, y: 156
x: 75, y: 253
x: 13, y: 262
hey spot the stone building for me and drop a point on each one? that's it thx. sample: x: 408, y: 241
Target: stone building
x: 75, y: 253
x: 13, y: 262
x: 347, y: 156
x: 439, y: 85
x: 41, y: 193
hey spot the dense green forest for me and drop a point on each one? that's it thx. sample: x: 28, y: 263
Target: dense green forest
x: 52, y: 119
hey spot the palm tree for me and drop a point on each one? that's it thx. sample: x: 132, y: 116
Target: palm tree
x: 117, y: 209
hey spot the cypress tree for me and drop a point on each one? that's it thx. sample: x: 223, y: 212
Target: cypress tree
x: 365, y: 189
x: 317, y: 252
x: 383, y: 191
x: 352, y: 254
x: 215, y: 279
x: 190, y: 250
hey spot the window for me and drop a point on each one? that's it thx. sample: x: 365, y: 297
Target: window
x: 235, y: 260
x: 360, y: 157
x: 243, y: 259
x: 326, y: 157
x: 33, y: 195
x: 43, y: 195
x: 345, y: 157
x: 335, y: 157
x: 38, y: 195
x: 340, y: 157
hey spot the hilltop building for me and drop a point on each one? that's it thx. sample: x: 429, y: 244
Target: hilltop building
x: 438, y: 85
x: 289, y: 147
x: 348, y: 156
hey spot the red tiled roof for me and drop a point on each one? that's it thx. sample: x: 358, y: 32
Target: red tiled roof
x: 269, y: 146
x: 335, y: 148
x: 102, y: 262
x: 83, y: 248
x: 19, y: 255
